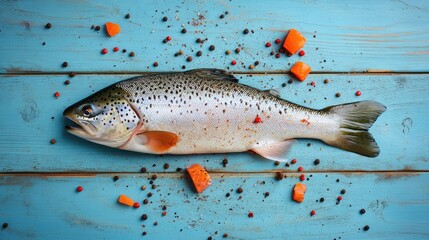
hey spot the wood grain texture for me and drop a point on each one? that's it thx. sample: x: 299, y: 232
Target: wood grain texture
x: 348, y: 36
x: 28, y: 127
x: 38, y: 180
x: 50, y: 208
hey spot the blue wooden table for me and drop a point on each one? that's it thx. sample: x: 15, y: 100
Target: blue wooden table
x: 380, y: 48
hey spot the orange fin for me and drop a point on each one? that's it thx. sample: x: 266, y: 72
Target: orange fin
x: 159, y: 141
x: 275, y: 151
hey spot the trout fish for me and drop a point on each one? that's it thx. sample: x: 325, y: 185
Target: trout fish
x: 208, y: 111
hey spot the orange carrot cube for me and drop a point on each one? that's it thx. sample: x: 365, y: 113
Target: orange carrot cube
x: 301, y: 71
x: 200, y: 177
x: 125, y: 200
x: 112, y: 28
x: 294, y: 41
x: 298, y: 192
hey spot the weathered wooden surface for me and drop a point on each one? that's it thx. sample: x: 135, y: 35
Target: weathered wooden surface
x: 28, y: 127
x: 50, y: 208
x: 349, y: 36
x: 38, y: 180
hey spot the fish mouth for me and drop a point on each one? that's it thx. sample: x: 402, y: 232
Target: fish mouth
x: 81, y: 129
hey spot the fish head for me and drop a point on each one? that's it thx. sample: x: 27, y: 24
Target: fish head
x: 106, y: 117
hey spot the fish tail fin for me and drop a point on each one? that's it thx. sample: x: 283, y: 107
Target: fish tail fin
x: 356, y: 119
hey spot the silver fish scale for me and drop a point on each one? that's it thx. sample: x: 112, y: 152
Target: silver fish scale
x: 219, y: 115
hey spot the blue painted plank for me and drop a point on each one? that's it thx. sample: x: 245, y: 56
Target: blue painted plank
x: 28, y: 106
x: 348, y: 36
x: 50, y: 208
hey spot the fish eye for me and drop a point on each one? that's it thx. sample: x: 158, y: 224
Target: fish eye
x: 87, y: 111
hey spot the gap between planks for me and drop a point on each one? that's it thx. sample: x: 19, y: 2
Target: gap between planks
x: 94, y: 174
x: 368, y: 72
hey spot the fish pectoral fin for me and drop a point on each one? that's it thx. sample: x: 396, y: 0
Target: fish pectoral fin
x: 158, y: 141
x: 275, y: 151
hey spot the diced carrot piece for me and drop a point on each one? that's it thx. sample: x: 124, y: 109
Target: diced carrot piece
x: 112, y: 28
x: 301, y: 71
x: 298, y: 192
x: 200, y: 177
x: 125, y: 200
x: 294, y: 41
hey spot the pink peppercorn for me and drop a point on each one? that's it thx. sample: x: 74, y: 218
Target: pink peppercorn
x: 56, y: 94
x: 136, y: 205
x: 168, y: 38
x: 339, y: 198
x: 115, y: 49
x: 267, y: 44
x: 293, y: 161
x: 233, y: 62
x: 301, y: 53
x: 277, y: 41
x: 312, y: 213
x: 79, y: 189
x: 300, y: 169
x: 358, y: 93
x: 257, y: 119
x: 277, y: 55
x: 104, y: 51
x: 302, y: 177
x: 312, y: 83
x: 250, y: 215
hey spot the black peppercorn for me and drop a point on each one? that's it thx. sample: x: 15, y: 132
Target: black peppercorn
x: 143, y: 170
x: 199, y: 53
x: 316, y: 162
x: 279, y: 176
x: 164, y: 19
x: 184, y: 30
x: 246, y: 31
x: 48, y: 25
x: 127, y: 16
x: 212, y: 47
x: 224, y: 162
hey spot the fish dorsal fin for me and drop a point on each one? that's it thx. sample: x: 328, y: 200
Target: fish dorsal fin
x: 275, y: 151
x: 274, y: 92
x: 212, y: 73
